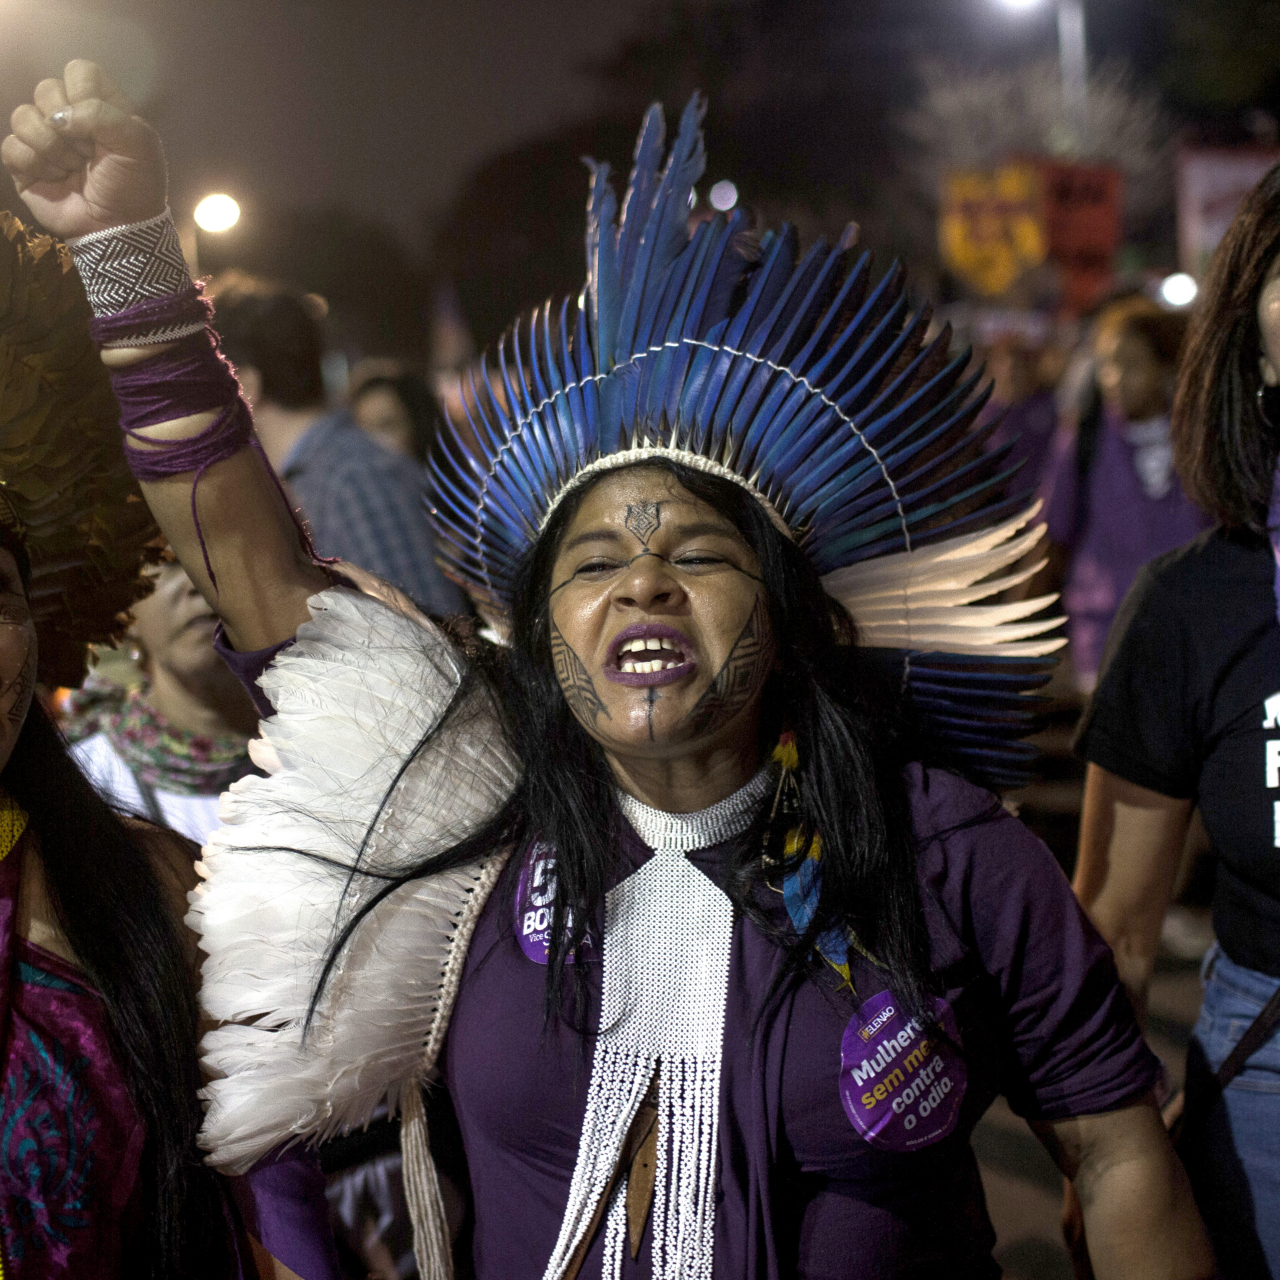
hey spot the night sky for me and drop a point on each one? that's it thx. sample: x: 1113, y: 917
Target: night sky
x: 380, y: 106
x: 385, y: 106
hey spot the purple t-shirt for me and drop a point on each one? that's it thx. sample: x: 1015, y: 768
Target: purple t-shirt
x: 1030, y: 997
x: 1122, y: 530
x: 1028, y: 427
x: 815, y: 1180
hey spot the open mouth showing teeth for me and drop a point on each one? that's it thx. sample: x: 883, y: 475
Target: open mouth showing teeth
x: 651, y: 653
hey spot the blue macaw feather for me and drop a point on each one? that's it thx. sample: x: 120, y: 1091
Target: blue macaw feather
x: 576, y: 443
x: 981, y: 737
x: 870, y: 359
x: 685, y: 327
x: 913, y: 510
x: 686, y: 319
x: 769, y: 281
x: 775, y: 381
x: 460, y: 491
x: 487, y: 434
x: 602, y: 292
x: 970, y: 721
x: 989, y: 670
x: 911, y: 490
x: 902, y: 382
x: 833, y: 480
x: 642, y: 188
x: 838, y: 482
x: 516, y: 390
x: 827, y: 555
x: 808, y: 435
x: 944, y: 398
x: 665, y: 231
x: 762, y: 302
x: 868, y: 390
x: 894, y: 531
x: 877, y: 320
x: 1015, y: 699
x: 957, y: 710
x: 562, y: 437
x: 739, y: 257
x: 768, y: 340
x: 667, y: 322
x: 819, y: 352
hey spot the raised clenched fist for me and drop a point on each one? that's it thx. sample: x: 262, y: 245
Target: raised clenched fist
x: 82, y: 160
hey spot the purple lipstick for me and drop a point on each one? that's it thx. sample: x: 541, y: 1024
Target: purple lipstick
x: 649, y: 653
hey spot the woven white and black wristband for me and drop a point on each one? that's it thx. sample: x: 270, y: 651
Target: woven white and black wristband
x: 136, y: 276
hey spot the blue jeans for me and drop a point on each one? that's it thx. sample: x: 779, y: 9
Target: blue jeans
x: 1231, y: 1142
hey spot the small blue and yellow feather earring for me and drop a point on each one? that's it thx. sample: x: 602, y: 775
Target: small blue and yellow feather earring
x: 802, y: 886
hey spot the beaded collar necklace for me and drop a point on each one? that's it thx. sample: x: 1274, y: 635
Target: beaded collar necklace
x: 685, y: 832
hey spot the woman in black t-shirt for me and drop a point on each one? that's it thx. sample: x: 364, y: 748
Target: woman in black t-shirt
x: 1186, y: 713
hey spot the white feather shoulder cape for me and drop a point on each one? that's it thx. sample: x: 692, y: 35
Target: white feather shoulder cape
x: 367, y: 680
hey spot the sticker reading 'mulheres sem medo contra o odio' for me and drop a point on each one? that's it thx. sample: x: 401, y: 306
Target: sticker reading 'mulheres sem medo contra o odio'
x: 901, y: 1084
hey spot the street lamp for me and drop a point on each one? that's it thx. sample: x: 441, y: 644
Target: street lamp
x: 723, y: 196
x: 217, y: 213
x: 1179, y: 289
x: 1073, y: 59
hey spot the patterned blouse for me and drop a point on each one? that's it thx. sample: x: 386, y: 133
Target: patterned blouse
x: 71, y: 1140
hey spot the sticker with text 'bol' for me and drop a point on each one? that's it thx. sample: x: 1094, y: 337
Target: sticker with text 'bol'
x: 901, y: 1085
x: 534, y: 897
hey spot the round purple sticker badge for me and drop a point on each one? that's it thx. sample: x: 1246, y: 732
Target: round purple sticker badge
x: 901, y: 1086
x: 534, y: 896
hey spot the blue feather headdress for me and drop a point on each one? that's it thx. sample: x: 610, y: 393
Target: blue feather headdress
x: 797, y: 378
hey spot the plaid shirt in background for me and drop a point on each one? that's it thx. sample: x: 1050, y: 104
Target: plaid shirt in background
x: 366, y: 505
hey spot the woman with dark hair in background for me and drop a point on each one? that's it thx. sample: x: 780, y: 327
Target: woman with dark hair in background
x: 718, y: 976
x: 399, y: 411
x: 1187, y: 713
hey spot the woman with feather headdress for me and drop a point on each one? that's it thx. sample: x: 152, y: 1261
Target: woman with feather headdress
x: 715, y: 971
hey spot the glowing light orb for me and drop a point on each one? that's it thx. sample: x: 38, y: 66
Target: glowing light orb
x: 1179, y: 289
x: 217, y: 213
x: 723, y: 196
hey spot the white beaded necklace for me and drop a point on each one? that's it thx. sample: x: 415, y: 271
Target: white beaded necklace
x: 667, y: 938
x: 685, y: 832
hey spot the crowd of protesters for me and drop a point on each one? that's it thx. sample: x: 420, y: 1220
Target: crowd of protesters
x: 1153, y: 445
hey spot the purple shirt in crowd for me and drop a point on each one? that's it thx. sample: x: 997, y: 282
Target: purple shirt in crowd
x: 1029, y: 427
x: 1121, y: 530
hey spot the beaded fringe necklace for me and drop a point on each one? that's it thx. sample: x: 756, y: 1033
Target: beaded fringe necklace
x: 667, y: 939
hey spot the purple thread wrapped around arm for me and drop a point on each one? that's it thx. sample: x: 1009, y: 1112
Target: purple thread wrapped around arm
x: 192, y: 377
x: 149, y: 321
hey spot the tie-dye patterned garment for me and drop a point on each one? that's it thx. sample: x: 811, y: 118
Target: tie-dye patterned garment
x: 70, y: 1138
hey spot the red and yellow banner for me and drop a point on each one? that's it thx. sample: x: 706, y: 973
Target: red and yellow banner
x: 997, y: 224
x: 991, y: 228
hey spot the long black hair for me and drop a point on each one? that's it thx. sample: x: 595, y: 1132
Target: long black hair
x: 1224, y: 449
x: 112, y: 910
x: 852, y: 747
